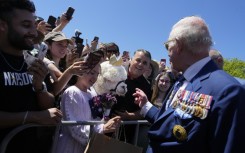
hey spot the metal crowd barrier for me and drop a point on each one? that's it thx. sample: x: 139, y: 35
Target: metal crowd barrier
x: 10, y: 135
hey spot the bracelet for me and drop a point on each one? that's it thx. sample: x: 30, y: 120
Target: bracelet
x: 24, y: 120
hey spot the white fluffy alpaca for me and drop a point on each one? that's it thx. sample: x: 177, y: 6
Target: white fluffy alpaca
x: 111, y: 79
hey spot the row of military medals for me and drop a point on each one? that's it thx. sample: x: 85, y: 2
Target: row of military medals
x: 193, y: 103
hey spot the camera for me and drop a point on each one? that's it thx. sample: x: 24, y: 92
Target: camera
x: 79, y: 42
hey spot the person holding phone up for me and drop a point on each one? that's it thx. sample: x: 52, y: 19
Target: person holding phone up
x: 93, y: 46
x: 42, y: 26
x: 58, y: 43
x: 65, y: 18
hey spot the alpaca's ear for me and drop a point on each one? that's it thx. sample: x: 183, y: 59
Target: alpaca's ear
x: 115, y: 62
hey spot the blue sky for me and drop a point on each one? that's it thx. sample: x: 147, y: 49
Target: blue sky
x: 136, y: 24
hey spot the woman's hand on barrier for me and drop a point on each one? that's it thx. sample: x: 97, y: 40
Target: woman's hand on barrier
x: 112, y: 124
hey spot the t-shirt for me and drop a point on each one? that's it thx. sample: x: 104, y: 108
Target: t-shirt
x: 17, y: 95
x: 127, y: 102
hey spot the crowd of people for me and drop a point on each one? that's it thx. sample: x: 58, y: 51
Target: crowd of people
x: 192, y: 105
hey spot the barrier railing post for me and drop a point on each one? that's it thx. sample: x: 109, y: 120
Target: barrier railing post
x: 136, y: 134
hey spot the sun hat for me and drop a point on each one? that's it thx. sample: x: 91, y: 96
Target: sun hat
x: 57, y: 36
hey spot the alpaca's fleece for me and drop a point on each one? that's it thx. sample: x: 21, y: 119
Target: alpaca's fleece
x: 111, y: 79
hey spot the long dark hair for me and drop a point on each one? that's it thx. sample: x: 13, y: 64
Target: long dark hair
x: 155, y: 92
x: 62, y: 63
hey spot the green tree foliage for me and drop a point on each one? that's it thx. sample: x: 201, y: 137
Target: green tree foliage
x: 235, y: 67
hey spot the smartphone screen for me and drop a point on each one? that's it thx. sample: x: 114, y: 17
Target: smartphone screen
x: 69, y: 13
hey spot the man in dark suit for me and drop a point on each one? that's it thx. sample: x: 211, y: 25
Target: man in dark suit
x: 206, y: 114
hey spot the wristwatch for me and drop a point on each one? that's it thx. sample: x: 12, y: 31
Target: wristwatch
x: 44, y: 88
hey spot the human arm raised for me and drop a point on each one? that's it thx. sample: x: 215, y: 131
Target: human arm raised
x: 44, y: 27
x: 77, y: 68
x: 62, y: 24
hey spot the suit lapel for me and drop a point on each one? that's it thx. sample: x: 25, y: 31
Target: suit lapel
x: 196, y: 82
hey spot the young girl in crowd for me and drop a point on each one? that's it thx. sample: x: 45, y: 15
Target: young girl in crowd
x: 163, y: 84
x: 56, y: 61
x: 57, y: 48
x: 75, y: 106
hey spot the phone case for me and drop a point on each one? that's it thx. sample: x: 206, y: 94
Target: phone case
x: 96, y: 38
x: 69, y: 13
x: 51, y: 20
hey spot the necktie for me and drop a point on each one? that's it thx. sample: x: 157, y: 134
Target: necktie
x: 175, y: 88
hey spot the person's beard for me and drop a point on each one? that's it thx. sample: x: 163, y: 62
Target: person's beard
x: 18, y: 41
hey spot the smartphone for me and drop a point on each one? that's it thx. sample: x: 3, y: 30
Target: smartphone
x: 69, y: 13
x: 51, y: 21
x: 163, y: 62
x: 96, y: 38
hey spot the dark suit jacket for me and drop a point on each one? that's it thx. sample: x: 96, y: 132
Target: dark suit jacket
x: 223, y: 131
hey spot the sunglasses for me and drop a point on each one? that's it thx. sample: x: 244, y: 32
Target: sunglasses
x: 166, y: 44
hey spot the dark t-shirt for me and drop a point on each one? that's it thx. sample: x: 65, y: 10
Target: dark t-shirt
x: 17, y: 95
x: 16, y: 86
x: 127, y: 102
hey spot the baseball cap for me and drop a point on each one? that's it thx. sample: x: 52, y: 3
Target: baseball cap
x: 38, y: 19
x: 56, y: 36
